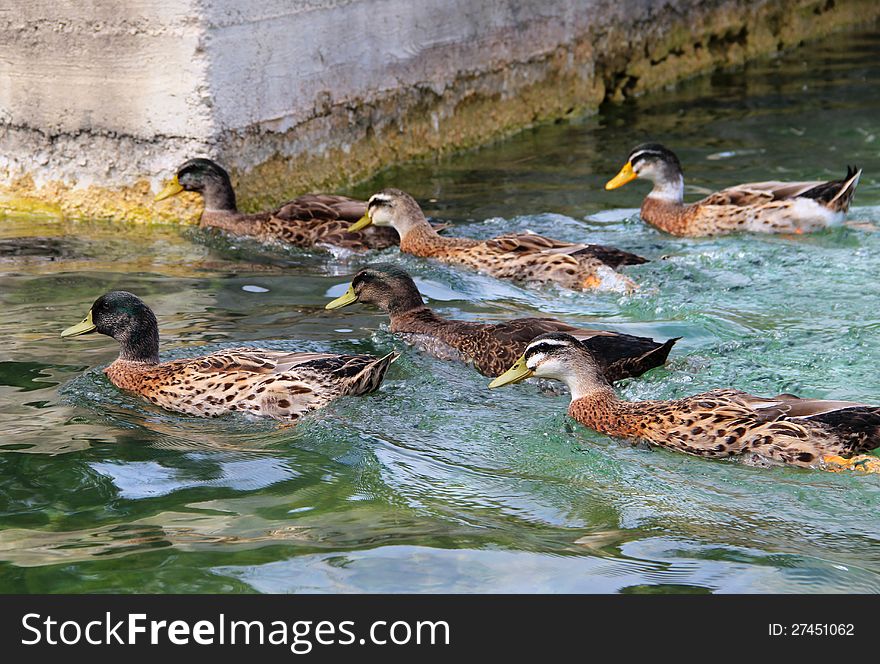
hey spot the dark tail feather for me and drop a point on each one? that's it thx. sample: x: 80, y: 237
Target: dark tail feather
x: 837, y: 194
x: 844, y: 197
x: 632, y: 367
x: 858, y: 427
x: 372, y: 375
x: 613, y: 257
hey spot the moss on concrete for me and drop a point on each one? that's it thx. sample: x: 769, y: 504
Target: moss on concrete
x: 60, y: 200
x: 611, y: 62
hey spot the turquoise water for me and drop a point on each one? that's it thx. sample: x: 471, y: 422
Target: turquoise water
x: 434, y: 483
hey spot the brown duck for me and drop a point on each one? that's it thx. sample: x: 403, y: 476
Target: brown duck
x: 525, y: 257
x: 490, y: 347
x: 308, y: 221
x: 758, y: 207
x: 264, y: 383
x: 719, y: 424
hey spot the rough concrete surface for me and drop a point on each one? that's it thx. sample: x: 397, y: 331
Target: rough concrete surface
x: 101, y: 100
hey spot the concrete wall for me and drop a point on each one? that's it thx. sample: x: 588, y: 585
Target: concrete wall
x: 101, y: 99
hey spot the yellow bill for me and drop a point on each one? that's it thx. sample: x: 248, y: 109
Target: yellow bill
x: 627, y: 174
x: 84, y: 327
x: 171, y: 189
x: 515, y: 374
x: 361, y: 223
x: 343, y: 300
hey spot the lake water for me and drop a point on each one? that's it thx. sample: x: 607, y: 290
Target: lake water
x: 435, y: 484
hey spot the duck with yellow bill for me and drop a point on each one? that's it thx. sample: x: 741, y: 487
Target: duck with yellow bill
x: 721, y: 424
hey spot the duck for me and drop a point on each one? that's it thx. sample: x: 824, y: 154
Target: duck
x: 489, y: 347
x: 264, y: 383
x: 308, y: 221
x: 757, y: 207
x: 522, y: 257
x: 720, y: 424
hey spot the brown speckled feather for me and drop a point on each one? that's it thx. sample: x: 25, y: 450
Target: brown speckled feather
x: 532, y: 242
x: 525, y: 257
x: 728, y: 423
x: 274, y: 384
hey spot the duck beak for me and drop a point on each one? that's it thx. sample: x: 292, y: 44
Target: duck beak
x: 171, y: 189
x: 84, y: 327
x: 627, y: 174
x: 515, y: 374
x: 361, y: 223
x: 343, y: 300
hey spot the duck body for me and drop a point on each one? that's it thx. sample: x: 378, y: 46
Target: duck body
x: 264, y: 383
x: 720, y: 424
x: 308, y: 221
x: 489, y: 347
x: 522, y: 257
x: 757, y: 207
x: 528, y: 257
x: 492, y: 347
x: 281, y: 386
x: 729, y: 423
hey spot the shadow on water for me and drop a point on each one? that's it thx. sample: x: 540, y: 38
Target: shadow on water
x: 434, y: 483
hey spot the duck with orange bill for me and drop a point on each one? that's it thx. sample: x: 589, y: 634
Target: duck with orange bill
x: 758, y: 207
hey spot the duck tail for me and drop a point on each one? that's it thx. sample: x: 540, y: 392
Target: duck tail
x: 632, y: 367
x: 659, y: 355
x: 655, y: 357
x: 371, y: 376
x: 844, y: 196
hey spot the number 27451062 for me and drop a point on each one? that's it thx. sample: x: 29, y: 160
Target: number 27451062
x: 812, y: 629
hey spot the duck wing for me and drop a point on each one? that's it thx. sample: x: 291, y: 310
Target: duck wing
x: 833, y: 193
x: 257, y: 361
x: 789, y: 406
x: 322, y: 207
x: 857, y: 425
x: 302, y: 381
x: 523, y: 330
x: 279, y: 362
x: 529, y: 242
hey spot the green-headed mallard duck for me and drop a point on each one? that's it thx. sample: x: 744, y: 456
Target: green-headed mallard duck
x: 310, y: 220
x: 719, y: 424
x: 525, y: 257
x: 759, y: 207
x: 490, y: 347
x: 266, y: 383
